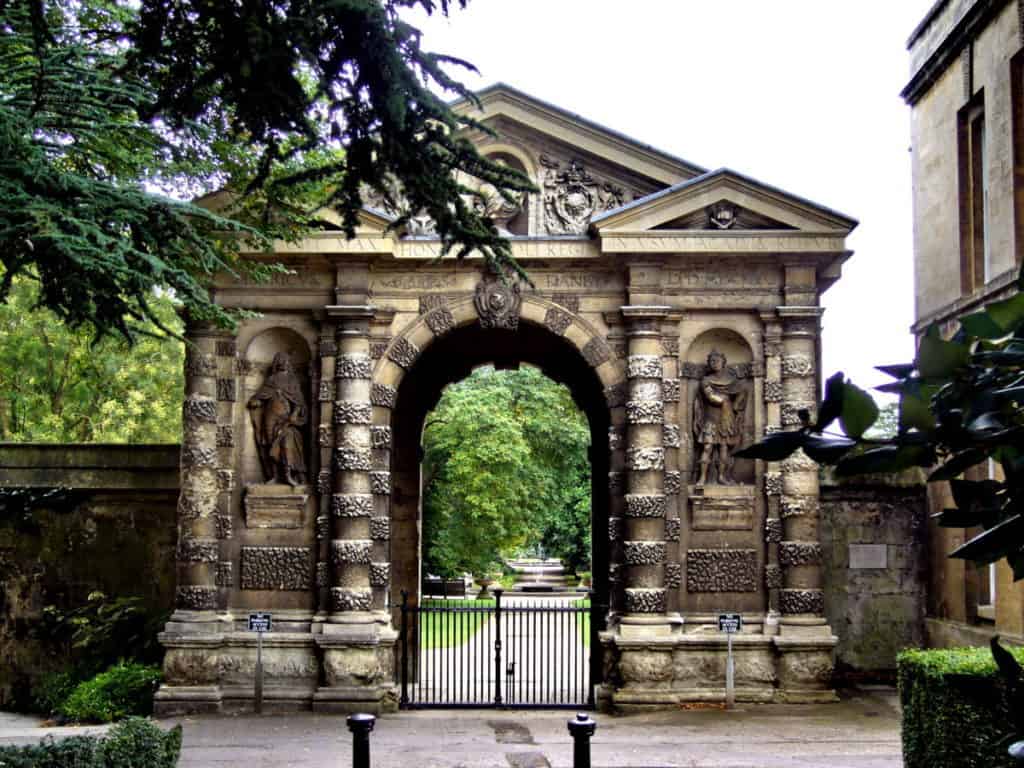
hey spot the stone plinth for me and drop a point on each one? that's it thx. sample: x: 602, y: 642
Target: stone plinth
x: 276, y: 505
x: 721, y: 507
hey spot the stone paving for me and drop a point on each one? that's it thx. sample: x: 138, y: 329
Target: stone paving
x: 862, y: 731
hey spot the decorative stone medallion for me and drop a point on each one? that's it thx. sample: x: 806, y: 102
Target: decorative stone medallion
x: 498, y: 303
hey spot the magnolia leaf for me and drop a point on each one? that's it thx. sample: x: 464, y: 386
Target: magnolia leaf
x: 832, y: 406
x: 898, y: 371
x: 982, y: 326
x: 887, y: 458
x: 1007, y: 314
x: 915, y: 413
x: 859, y: 411
x: 775, y: 447
x: 959, y: 463
x: 954, y: 517
x: 827, y: 449
x: 938, y: 359
x: 994, y: 544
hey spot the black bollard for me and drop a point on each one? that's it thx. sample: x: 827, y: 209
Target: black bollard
x: 1017, y: 751
x: 361, y: 725
x: 581, y: 727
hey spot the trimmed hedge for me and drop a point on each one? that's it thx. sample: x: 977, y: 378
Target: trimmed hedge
x: 134, y: 743
x: 954, y: 712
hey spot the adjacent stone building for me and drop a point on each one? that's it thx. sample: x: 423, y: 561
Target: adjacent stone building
x: 967, y: 139
x: 681, y: 307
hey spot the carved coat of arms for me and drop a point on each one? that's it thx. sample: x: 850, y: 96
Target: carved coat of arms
x: 498, y: 303
x: 572, y: 196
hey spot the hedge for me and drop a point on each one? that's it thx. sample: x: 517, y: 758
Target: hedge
x: 124, y: 689
x: 954, y: 712
x: 134, y: 743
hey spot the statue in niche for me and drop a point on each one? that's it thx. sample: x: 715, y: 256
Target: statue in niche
x: 718, y: 420
x: 278, y: 413
x: 488, y: 201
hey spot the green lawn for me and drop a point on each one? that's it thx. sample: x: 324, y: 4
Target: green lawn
x: 584, y: 620
x: 448, y: 630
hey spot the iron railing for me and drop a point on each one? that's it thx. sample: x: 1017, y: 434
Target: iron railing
x: 510, y: 652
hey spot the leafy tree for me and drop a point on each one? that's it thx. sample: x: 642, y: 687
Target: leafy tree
x: 58, y: 384
x: 505, y: 465
x: 961, y: 403
x: 112, y: 112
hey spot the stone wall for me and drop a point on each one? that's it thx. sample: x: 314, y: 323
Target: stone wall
x: 114, y: 531
x: 875, y: 568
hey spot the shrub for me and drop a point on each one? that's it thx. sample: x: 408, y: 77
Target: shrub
x: 124, y: 689
x: 135, y: 743
x: 52, y: 689
x: 955, y: 712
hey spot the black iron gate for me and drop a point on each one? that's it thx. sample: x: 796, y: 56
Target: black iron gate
x: 511, y: 652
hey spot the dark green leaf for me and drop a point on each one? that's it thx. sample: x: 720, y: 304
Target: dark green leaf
x: 954, y: 517
x: 832, y: 406
x: 898, y: 371
x: 982, y: 326
x: 825, y: 449
x: 994, y: 544
x: 960, y: 463
x: 938, y: 359
x: 915, y: 413
x: 888, y: 458
x: 1007, y: 314
x: 774, y: 447
x: 975, y: 494
x: 859, y: 411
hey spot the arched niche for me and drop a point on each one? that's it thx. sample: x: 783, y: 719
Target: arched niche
x: 259, y: 355
x: 739, y: 357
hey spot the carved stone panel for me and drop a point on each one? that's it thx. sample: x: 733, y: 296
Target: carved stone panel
x: 498, y: 303
x: 670, y: 390
x: 380, y: 528
x: 275, y: 506
x: 403, y: 352
x: 353, y: 367
x: 640, y: 600
x: 196, y: 598
x: 643, y: 367
x: 596, y: 352
x: 383, y: 395
x: 351, y: 551
x: 643, y: 552
x: 645, y: 412
x: 352, y: 412
x: 646, y: 458
x: 672, y: 529
x: 557, y: 320
x: 352, y: 505
x: 380, y: 438
x: 278, y: 568
x: 380, y: 483
x: 729, y: 508
x: 345, y: 599
x: 440, y: 321
x: 793, y: 601
x: 673, y: 482
x: 795, y: 553
x: 721, y: 570
x: 772, y: 531
x: 571, y: 196
x: 644, y: 505
x: 379, y: 574
x: 673, y: 575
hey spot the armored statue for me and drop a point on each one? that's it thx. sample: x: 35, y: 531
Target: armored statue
x: 278, y: 412
x: 718, y: 420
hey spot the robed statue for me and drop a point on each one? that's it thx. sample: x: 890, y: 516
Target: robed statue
x: 278, y: 412
x: 718, y: 420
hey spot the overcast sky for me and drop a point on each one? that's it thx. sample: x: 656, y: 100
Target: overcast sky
x: 800, y: 94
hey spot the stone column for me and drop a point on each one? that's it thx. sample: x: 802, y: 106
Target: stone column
x: 198, y: 552
x: 643, y: 545
x: 351, y: 598
x: 772, y: 476
x: 801, y: 600
x: 327, y: 350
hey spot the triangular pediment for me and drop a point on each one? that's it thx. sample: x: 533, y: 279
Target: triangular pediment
x: 722, y: 200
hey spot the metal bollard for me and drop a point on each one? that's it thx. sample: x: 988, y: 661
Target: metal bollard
x: 581, y: 727
x: 361, y: 724
x: 1017, y: 751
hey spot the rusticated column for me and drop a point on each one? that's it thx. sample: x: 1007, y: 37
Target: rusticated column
x: 327, y: 350
x: 643, y: 545
x: 801, y: 600
x: 198, y: 547
x: 772, y: 476
x: 351, y: 547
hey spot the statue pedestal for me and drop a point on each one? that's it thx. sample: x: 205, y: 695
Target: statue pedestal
x: 276, y: 505
x: 721, y: 507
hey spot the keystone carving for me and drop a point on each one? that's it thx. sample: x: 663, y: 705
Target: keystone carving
x: 380, y: 483
x: 673, y: 575
x: 645, y: 412
x: 793, y: 601
x: 643, y: 552
x: 382, y: 395
x: 380, y: 528
x: 670, y: 390
x: 351, y: 551
x: 352, y: 412
x: 379, y: 574
x: 647, y: 458
x: 196, y: 598
x: 353, y: 367
x: 797, y: 365
x: 380, y: 438
x: 796, y: 553
x: 721, y: 570
x: 497, y: 303
x: 644, y: 505
x: 352, y: 505
x: 344, y: 599
x: 440, y: 321
x: 403, y: 352
x: 596, y: 352
x: 429, y: 301
x: 643, y: 367
x: 557, y: 321
x: 672, y: 529
x: 645, y: 600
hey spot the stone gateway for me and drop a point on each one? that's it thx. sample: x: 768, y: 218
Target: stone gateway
x: 681, y: 308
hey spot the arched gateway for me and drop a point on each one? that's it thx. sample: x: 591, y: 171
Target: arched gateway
x: 681, y: 308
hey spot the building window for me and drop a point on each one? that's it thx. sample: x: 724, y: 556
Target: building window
x: 975, y: 258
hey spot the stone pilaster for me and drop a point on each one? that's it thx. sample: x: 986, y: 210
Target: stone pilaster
x: 327, y: 351
x: 801, y: 599
x: 644, y: 545
x: 772, y: 478
x: 198, y: 551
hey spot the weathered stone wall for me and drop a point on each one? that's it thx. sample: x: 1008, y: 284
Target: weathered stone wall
x: 874, y: 542
x: 116, y: 533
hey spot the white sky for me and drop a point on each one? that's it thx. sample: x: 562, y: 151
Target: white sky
x: 800, y: 94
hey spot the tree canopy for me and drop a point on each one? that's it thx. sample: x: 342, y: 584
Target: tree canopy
x: 505, y: 469
x: 115, y: 113
x: 961, y: 411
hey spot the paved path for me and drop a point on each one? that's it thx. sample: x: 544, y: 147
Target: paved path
x: 860, y: 732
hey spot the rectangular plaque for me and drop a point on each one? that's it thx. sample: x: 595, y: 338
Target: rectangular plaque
x: 276, y: 506
x: 730, y: 623
x: 259, y: 622
x: 722, y: 508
